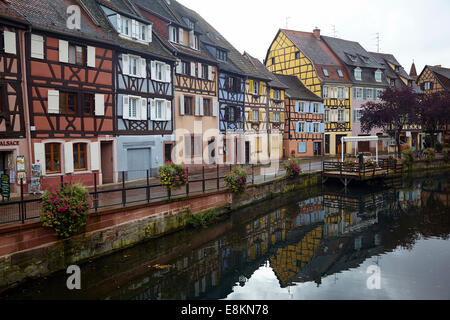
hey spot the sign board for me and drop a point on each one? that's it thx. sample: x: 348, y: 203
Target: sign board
x: 20, y: 164
x: 5, y: 186
x: 35, y: 181
x: 408, y: 133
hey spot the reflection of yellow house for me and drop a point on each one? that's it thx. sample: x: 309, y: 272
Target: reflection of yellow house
x: 306, y: 56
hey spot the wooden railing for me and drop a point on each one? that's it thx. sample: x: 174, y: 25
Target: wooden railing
x: 364, y: 170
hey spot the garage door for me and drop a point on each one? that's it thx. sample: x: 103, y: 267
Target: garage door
x: 138, y: 163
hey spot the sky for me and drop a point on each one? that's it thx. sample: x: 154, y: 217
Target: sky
x: 409, y: 29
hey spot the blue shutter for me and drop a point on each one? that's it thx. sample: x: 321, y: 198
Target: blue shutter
x: 297, y: 106
x: 322, y: 127
x: 322, y: 108
x: 307, y: 128
x: 302, y: 147
x: 297, y: 127
x: 306, y: 107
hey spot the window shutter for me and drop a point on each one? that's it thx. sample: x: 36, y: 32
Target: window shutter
x: 182, y: 105
x: 134, y: 30
x: 63, y: 51
x: 95, y: 156
x: 282, y: 95
x: 346, y: 115
x: 346, y: 94
x: 9, y: 39
x: 271, y: 116
x: 210, y: 75
x: 180, y: 35
x: 179, y: 66
x: 153, y: 109
x: 200, y: 103
x: 171, y: 34
x: 125, y: 64
x: 99, y: 105
x: 191, y: 39
x: 37, y: 46
x: 322, y: 108
x: 297, y: 127
x: 126, y: 107
x: 39, y: 155
x: 192, y: 69
x: 119, y: 23
x: 200, y: 70
x: 282, y: 117
x: 215, y: 108
x: 153, y: 70
x: 144, y: 108
x: 431, y: 85
x: 322, y: 128
x: 261, y: 117
x: 306, y: 106
x: 364, y: 93
x: 250, y: 86
x: 53, y: 101
x: 197, y: 106
x: 271, y: 93
x: 91, y: 57
x: 168, y: 110
x: 149, y: 33
x: 167, y: 73
x: 250, y: 115
x: 68, y: 157
x: 297, y: 106
x: 143, y: 67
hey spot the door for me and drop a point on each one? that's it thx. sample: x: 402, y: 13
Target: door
x: 106, y: 149
x: 317, y: 148
x: 138, y: 163
x: 327, y: 144
x: 168, y: 147
x: 247, y: 152
x: 339, y: 145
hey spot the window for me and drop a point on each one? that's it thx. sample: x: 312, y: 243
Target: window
x: 340, y: 115
x: 340, y: 74
x: 159, y: 105
x: 89, y: 103
x: 133, y: 66
x: 232, y: 114
x: 327, y: 116
x: 356, y: 115
x: 196, y: 43
x: 297, y: 55
x: 188, y: 105
x: 53, y: 158
x: 325, y: 92
x: 340, y: 93
x: 316, y: 127
x: 233, y: 84
x: 379, y: 92
x: 369, y: 94
x: 301, y: 107
x: 358, y: 74
x: 301, y: 126
x: 276, y: 95
x: 378, y: 75
x: 134, y: 103
x: 221, y: 55
x: 273, y: 61
x: 276, y: 117
x: 79, y: 156
x: 207, y: 107
x: 428, y: 85
x: 315, y: 108
x: 255, y: 87
x: 77, y: 55
x: 126, y: 26
x: 186, y: 68
x: 358, y: 93
x: 392, y: 82
x: 67, y: 102
x: 173, y: 34
x: 204, y: 73
x: 159, y: 68
x: 255, y: 116
x: 325, y: 72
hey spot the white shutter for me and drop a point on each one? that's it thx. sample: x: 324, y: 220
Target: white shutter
x: 9, y: 39
x: 197, y: 106
x: 180, y: 35
x: 168, y: 111
x: 153, y: 69
x: 191, y: 39
x: 192, y: 69
x: 144, y: 109
x: 346, y: 93
x: 126, y: 107
x: 125, y: 64
x: 119, y: 23
x: 215, y: 107
x: 167, y: 73
x: 53, y: 101
x: 68, y: 157
x: 179, y: 66
x: 99, y: 105
x: 134, y: 28
x: 200, y: 70
x: 91, y: 56
x: 143, y: 67
x: 171, y: 34
x: 63, y: 51
x: 210, y: 75
x: 37, y: 46
x: 39, y: 155
x: 152, y: 109
x: 149, y: 35
x: 200, y: 103
x: 95, y: 156
x: 347, y: 115
x: 181, y: 104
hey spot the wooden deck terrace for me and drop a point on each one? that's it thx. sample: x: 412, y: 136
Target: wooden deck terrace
x: 346, y: 172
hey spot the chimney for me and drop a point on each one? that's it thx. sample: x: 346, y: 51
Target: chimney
x: 316, y: 32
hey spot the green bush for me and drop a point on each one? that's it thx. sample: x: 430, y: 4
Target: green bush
x: 429, y: 155
x: 202, y: 220
x: 173, y: 176
x: 65, y: 209
x: 438, y: 147
x: 236, y: 180
x: 370, y: 163
x: 408, y: 157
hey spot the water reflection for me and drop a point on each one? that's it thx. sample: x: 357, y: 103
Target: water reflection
x: 304, y: 246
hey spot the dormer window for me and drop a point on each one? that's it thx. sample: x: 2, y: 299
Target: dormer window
x: 297, y: 55
x: 126, y: 26
x: 351, y: 57
x: 358, y: 74
x: 173, y: 34
x: 378, y: 74
x: 340, y: 74
x: 364, y: 59
x: 133, y: 29
x: 221, y: 55
x: 325, y: 72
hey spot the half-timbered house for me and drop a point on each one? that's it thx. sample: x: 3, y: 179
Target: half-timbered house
x: 304, y: 128
x: 276, y: 110
x: 70, y: 92
x: 143, y: 83
x: 195, y: 80
x: 13, y: 129
x: 307, y: 56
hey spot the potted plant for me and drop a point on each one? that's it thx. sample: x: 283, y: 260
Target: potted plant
x: 429, y: 155
x: 65, y: 209
x: 173, y: 176
x: 292, y: 168
x: 236, y: 180
x: 370, y: 163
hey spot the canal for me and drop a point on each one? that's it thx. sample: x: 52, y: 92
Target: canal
x: 327, y: 243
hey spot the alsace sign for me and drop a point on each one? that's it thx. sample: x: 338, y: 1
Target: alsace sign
x: 8, y: 143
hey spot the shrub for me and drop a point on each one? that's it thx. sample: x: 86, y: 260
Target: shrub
x: 202, y: 220
x: 446, y: 154
x: 292, y: 167
x: 236, y: 180
x: 370, y: 163
x: 65, y: 209
x: 173, y: 176
x: 438, y: 147
x: 408, y: 157
x: 429, y: 155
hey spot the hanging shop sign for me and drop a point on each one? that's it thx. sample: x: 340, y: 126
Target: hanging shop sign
x: 20, y: 163
x: 6, y: 191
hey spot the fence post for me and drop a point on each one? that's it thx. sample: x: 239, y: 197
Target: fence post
x: 61, y: 178
x: 169, y: 193
x: 203, y: 181
x: 253, y: 174
x: 148, y: 186
x: 187, y: 183
x: 95, y: 192
x: 124, y: 192
x: 22, y: 204
x: 309, y: 165
x: 218, y: 178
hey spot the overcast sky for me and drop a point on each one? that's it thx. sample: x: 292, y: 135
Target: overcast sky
x: 416, y: 30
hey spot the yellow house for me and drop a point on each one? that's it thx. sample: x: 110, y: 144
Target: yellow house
x: 306, y: 56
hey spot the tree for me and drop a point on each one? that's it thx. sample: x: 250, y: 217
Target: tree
x: 434, y: 113
x: 397, y: 108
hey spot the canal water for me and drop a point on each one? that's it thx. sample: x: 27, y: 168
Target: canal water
x: 390, y: 242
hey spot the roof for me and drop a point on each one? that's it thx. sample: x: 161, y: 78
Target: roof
x: 413, y: 71
x: 274, y: 82
x: 443, y: 75
x: 296, y: 89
